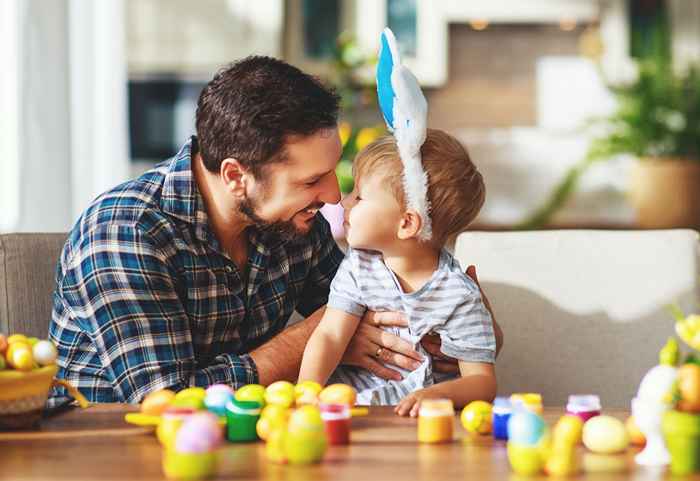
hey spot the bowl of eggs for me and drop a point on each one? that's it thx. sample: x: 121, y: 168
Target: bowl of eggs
x: 27, y: 370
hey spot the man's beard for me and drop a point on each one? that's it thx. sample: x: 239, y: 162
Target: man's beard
x: 283, y: 229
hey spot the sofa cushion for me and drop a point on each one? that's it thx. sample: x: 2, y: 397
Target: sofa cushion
x: 582, y: 311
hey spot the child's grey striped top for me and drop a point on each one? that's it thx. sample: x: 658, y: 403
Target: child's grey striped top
x: 449, y: 304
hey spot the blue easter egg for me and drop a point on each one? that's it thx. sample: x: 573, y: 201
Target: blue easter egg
x: 216, y: 398
x: 525, y: 427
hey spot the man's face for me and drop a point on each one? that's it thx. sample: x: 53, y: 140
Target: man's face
x: 287, y: 197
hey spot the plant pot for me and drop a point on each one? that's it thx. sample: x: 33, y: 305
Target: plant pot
x: 666, y: 193
x: 682, y: 433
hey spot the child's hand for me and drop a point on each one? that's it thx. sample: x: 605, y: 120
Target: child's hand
x: 410, y: 405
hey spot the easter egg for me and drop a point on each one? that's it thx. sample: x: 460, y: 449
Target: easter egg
x: 199, y: 433
x: 306, y: 419
x: 44, y: 353
x: 338, y: 394
x: 524, y: 460
x: 272, y: 417
x: 689, y: 387
x: 198, y: 392
x: 306, y: 392
x: 17, y: 338
x: 19, y: 356
x: 274, y: 448
x: 216, y: 398
x: 476, y: 417
x: 525, y: 428
x: 635, y: 435
x: 3, y: 344
x: 280, y: 392
x: 251, y: 392
x: 568, y: 430
x: 171, y: 421
x: 156, y: 402
x: 605, y: 435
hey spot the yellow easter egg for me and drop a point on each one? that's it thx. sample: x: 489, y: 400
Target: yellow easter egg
x: 635, y: 434
x: 251, y: 392
x: 197, y: 392
x: 338, y: 394
x: 568, y: 430
x: 272, y: 417
x: 17, y: 338
x: 476, y: 417
x: 307, y: 392
x: 19, y: 356
x: 280, y: 392
x: 305, y: 420
x: 156, y: 402
x: 605, y: 435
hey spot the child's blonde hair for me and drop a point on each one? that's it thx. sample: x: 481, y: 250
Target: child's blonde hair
x: 456, y: 189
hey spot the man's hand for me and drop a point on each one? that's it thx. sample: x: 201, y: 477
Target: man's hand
x: 371, y: 346
x: 498, y: 333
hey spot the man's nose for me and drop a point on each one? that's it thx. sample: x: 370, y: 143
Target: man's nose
x: 331, y: 190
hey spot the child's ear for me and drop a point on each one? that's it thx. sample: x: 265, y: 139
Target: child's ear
x: 410, y: 224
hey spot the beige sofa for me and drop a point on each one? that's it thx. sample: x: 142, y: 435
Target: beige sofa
x: 582, y: 311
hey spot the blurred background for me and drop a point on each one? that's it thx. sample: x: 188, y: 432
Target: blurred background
x: 579, y: 113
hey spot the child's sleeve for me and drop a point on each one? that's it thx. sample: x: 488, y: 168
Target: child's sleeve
x: 345, y: 293
x: 467, y: 334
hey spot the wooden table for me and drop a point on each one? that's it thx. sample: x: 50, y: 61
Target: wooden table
x: 97, y: 444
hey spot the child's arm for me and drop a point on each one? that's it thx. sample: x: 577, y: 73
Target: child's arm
x: 478, y: 382
x: 327, y: 345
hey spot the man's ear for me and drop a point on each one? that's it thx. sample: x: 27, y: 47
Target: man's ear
x: 234, y: 176
x: 410, y: 224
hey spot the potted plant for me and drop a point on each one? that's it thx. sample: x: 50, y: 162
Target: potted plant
x: 657, y: 120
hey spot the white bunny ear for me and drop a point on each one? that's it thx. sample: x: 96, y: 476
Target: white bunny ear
x: 405, y: 111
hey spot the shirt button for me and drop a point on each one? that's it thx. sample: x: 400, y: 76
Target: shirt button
x: 228, y: 269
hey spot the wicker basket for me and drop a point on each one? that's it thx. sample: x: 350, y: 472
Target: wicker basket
x: 23, y: 395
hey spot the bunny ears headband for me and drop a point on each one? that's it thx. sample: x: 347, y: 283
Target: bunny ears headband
x: 405, y: 112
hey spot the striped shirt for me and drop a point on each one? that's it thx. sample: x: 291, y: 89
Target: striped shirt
x: 146, y: 297
x: 449, y: 304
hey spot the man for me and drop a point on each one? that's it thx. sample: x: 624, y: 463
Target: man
x: 188, y: 275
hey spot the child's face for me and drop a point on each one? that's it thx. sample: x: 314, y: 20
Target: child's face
x: 372, y: 214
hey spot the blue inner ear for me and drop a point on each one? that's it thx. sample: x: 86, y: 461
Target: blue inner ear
x: 385, y: 92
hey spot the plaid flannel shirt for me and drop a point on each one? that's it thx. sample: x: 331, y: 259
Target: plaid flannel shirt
x: 147, y: 299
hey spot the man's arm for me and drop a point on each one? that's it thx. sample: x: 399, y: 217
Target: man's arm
x: 120, y: 290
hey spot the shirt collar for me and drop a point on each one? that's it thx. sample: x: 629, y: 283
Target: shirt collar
x: 181, y: 199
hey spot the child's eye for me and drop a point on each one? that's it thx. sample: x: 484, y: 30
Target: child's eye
x: 312, y: 183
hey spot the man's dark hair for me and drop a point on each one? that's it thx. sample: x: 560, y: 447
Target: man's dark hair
x: 248, y: 108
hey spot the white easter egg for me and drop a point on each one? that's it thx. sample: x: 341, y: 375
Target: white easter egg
x: 605, y: 435
x: 44, y: 353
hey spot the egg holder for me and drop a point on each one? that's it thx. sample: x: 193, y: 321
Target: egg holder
x: 23, y: 395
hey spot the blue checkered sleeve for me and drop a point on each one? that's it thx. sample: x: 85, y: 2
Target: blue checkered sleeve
x: 120, y: 288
